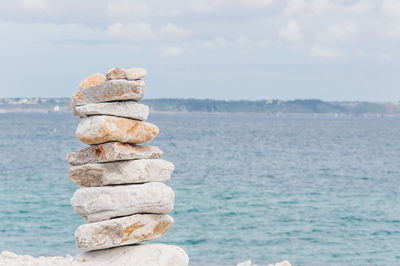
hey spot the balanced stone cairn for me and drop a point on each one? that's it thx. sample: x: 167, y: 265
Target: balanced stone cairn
x: 121, y: 197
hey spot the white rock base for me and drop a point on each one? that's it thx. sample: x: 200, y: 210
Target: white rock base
x: 136, y: 255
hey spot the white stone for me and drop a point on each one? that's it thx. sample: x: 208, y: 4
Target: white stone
x: 128, y: 109
x: 136, y: 255
x: 104, y: 128
x: 122, y: 231
x: 8, y: 258
x: 125, y: 172
x: 135, y: 73
x: 96, y: 204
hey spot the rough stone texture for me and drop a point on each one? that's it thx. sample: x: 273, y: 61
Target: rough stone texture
x: 136, y: 73
x: 136, y: 255
x: 122, y: 231
x: 111, y: 152
x: 92, y: 80
x: 8, y: 258
x: 126, y: 172
x: 102, y: 128
x: 96, y: 204
x: 127, y: 109
x: 116, y: 73
x: 111, y: 90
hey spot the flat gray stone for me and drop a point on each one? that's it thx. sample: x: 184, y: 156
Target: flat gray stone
x: 122, y: 231
x: 128, y: 109
x: 126, y: 172
x: 111, y: 152
x: 135, y: 255
x: 104, y: 128
x: 111, y: 90
x: 96, y: 204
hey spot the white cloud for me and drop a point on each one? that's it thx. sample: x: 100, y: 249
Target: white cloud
x: 339, y: 33
x: 171, y: 51
x: 391, y: 7
x: 291, y: 32
x: 215, y: 24
x: 219, y: 41
x: 257, y: 3
x: 171, y: 30
x: 128, y: 10
x: 295, y: 7
x: 36, y: 5
x: 243, y: 41
x: 361, y: 7
x: 132, y: 32
x: 317, y: 51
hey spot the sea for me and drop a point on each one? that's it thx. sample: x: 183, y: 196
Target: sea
x: 308, y: 189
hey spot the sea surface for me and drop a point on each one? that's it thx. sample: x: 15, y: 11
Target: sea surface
x: 311, y: 190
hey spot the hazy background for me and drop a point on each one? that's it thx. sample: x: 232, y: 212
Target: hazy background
x: 222, y: 49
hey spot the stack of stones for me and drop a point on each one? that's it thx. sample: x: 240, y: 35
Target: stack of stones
x: 121, y: 197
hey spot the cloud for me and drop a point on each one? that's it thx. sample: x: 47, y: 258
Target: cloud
x: 339, y: 33
x: 361, y: 7
x: 171, y: 51
x: 36, y: 5
x: 291, y: 32
x: 317, y: 51
x: 171, y: 30
x: 295, y: 7
x: 256, y: 3
x: 391, y: 7
x: 201, y: 25
x: 132, y: 32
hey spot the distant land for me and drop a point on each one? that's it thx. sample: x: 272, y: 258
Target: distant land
x: 310, y: 106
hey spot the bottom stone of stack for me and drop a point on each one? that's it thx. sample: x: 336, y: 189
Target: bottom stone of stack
x: 122, y: 231
x: 136, y: 255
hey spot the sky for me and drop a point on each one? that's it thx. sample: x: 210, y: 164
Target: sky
x: 219, y: 49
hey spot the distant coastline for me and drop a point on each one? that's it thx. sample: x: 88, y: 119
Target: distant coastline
x: 175, y: 105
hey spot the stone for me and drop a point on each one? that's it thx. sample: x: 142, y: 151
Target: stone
x: 128, y: 109
x: 92, y: 80
x: 135, y: 255
x: 111, y: 90
x: 102, y: 128
x: 116, y: 73
x: 122, y: 231
x: 8, y: 258
x: 136, y: 73
x: 111, y: 152
x: 96, y: 204
x: 126, y: 172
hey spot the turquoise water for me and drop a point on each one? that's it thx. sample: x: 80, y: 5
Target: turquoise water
x: 314, y: 191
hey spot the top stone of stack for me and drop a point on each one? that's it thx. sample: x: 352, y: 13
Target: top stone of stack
x: 129, y: 74
x: 117, y: 85
x: 109, y: 108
